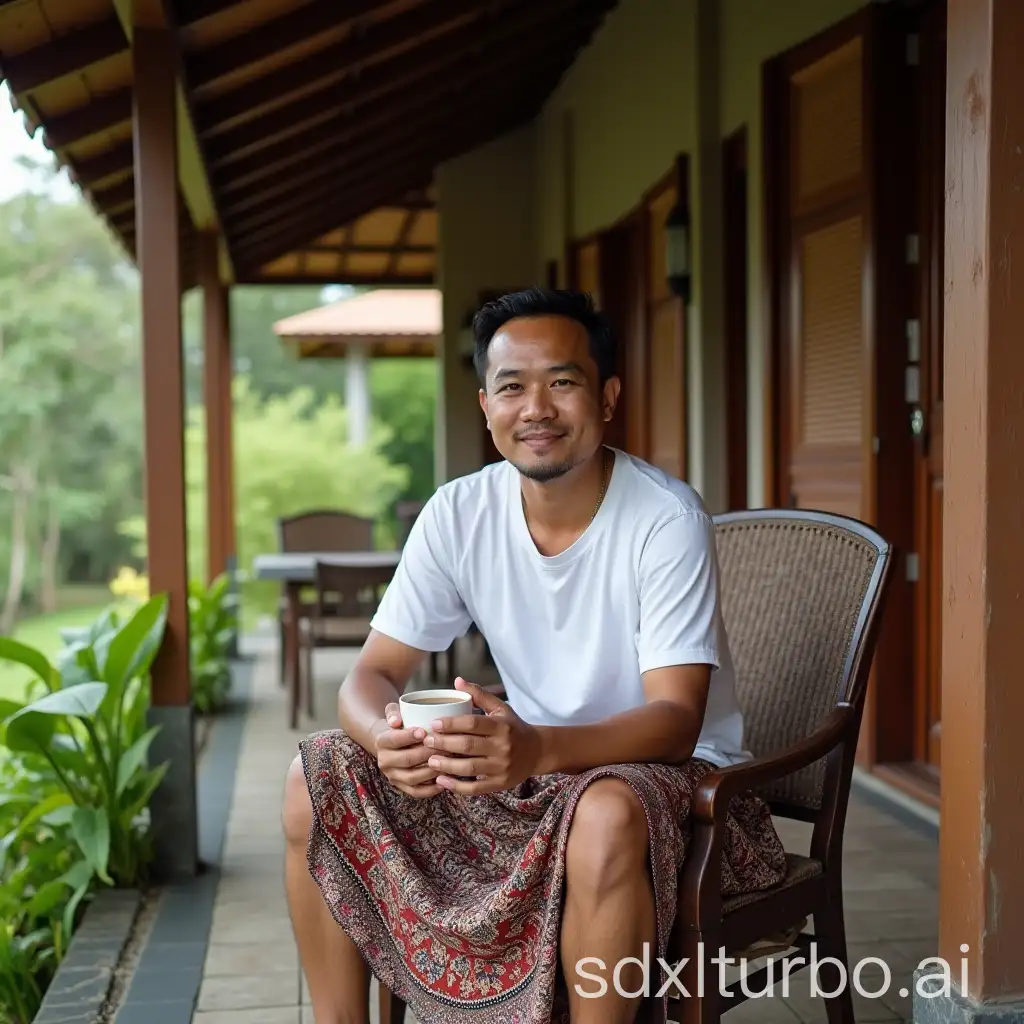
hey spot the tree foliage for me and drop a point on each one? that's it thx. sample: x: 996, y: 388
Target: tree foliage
x: 71, y: 422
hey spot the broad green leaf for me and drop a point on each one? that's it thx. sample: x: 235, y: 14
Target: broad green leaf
x: 7, y: 708
x: 76, y: 665
x: 147, y: 783
x: 47, y: 896
x: 91, y: 828
x: 29, y: 733
x: 80, y: 873
x: 22, y: 654
x: 52, y: 803
x: 133, y: 758
x: 133, y: 648
x: 68, y: 919
x: 32, y: 727
x: 60, y: 815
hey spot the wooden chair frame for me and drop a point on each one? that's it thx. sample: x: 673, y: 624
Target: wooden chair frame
x: 703, y: 922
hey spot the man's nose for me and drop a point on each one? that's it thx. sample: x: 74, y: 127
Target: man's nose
x: 538, y: 404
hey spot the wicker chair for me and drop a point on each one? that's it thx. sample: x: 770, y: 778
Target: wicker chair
x: 316, y: 530
x: 802, y: 597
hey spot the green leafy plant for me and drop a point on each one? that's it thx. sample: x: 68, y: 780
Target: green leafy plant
x: 88, y: 731
x: 213, y: 622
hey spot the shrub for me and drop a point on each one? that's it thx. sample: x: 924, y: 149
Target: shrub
x: 74, y: 806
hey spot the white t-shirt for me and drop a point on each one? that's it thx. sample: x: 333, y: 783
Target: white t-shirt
x: 571, y: 634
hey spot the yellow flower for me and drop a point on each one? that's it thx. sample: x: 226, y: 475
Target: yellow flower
x: 129, y: 583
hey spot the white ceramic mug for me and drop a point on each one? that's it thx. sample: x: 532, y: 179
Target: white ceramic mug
x: 421, y: 707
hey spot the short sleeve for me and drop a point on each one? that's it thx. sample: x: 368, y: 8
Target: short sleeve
x: 678, y: 585
x: 422, y: 607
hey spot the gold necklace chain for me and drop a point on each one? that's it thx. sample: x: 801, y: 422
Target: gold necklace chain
x: 605, y: 478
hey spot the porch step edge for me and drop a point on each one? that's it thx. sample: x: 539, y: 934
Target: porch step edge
x: 889, y: 798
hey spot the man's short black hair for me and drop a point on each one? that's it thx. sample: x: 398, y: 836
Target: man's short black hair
x: 578, y: 306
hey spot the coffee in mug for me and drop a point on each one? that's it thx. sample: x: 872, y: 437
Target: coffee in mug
x: 421, y: 707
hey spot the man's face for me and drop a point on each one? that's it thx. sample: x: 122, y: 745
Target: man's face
x: 544, y: 405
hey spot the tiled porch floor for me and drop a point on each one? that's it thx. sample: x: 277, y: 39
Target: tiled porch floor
x: 252, y: 974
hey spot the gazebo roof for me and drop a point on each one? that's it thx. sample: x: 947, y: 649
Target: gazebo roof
x: 387, y: 321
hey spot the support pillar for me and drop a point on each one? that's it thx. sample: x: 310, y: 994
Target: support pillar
x: 981, y: 880
x: 217, y: 374
x: 357, y: 394
x: 156, y: 212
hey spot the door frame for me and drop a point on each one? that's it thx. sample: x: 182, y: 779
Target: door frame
x: 889, y: 294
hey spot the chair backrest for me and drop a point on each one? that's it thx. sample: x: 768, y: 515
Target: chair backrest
x: 800, y: 598
x: 350, y: 592
x: 325, y: 530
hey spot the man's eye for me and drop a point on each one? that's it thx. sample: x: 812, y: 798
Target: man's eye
x: 563, y: 380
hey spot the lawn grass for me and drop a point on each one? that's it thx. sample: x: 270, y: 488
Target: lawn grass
x: 43, y: 633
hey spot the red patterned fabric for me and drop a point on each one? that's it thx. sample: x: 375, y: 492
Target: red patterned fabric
x: 455, y: 902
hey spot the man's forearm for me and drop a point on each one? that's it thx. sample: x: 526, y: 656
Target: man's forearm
x: 361, y: 703
x: 661, y: 732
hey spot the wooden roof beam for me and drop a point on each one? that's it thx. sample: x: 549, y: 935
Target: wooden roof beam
x: 346, y: 57
x: 402, y: 242
x: 376, y: 185
x: 116, y: 161
x: 193, y: 177
x: 66, y: 55
x: 100, y: 114
x: 428, y: 57
x: 397, y: 249
x: 272, y: 37
x: 327, y: 145
x: 428, y: 108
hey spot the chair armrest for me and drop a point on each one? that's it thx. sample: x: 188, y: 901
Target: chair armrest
x: 712, y: 797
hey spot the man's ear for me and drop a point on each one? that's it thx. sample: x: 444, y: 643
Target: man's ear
x: 483, y: 405
x: 610, y: 395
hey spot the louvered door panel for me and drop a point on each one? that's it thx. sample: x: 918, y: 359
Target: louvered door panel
x: 827, y: 352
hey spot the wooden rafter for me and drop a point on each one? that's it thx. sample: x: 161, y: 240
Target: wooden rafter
x: 346, y: 57
x: 422, y: 107
x: 65, y: 55
x: 270, y: 38
x: 432, y: 112
x: 105, y: 165
x: 376, y: 185
x: 98, y: 115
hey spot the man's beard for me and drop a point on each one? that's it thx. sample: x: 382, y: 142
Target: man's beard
x: 546, y: 472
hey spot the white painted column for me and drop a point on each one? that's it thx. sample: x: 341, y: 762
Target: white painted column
x: 357, y: 394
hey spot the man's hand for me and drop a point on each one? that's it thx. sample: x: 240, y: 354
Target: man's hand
x: 497, y: 750
x: 402, y: 756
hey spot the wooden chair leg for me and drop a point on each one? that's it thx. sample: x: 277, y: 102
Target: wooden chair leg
x: 310, y: 681
x: 830, y: 934
x: 282, y: 677
x: 392, y: 1009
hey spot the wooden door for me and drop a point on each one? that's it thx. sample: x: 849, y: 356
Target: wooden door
x: 734, y: 195
x: 665, y: 342
x: 826, y: 335
x: 840, y: 133
x: 621, y: 287
x: 926, y: 417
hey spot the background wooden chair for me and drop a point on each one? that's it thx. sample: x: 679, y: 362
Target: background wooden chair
x: 316, y: 530
x: 339, y: 616
x: 802, y: 596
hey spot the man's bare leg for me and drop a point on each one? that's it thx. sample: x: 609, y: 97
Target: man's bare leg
x: 338, y: 978
x: 609, y: 903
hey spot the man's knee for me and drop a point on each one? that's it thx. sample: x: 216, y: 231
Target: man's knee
x: 608, y: 837
x: 297, y: 810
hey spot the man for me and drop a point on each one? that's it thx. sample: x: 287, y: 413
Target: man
x: 479, y: 872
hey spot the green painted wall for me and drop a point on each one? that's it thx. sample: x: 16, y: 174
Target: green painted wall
x: 628, y: 103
